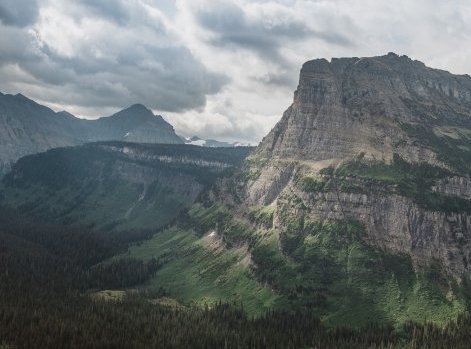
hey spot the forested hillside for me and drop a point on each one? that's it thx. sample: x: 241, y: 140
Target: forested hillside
x: 47, y: 285
x: 115, y: 185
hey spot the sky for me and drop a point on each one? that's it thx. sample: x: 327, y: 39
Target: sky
x: 221, y: 69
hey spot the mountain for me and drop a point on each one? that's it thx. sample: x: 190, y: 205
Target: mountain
x: 27, y: 127
x: 385, y: 141
x: 134, y: 124
x: 357, y: 205
x: 114, y: 185
x: 367, y: 180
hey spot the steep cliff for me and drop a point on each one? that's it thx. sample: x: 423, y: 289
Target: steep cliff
x: 358, y: 105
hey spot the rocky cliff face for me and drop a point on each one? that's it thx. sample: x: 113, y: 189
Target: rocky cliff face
x: 384, y: 141
x: 27, y: 128
x: 357, y: 105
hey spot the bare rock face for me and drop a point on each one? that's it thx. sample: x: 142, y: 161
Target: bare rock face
x: 396, y: 138
x: 353, y: 105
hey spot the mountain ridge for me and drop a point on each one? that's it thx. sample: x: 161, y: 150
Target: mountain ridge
x: 114, y: 185
x: 27, y: 127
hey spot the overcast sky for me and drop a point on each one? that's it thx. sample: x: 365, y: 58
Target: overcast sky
x: 223, y: 69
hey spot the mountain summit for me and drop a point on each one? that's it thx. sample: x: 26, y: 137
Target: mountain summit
x: 134, y: 124
x: 355, y: 105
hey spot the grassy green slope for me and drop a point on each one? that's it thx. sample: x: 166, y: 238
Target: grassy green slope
x: 321, y: 266
x: 213, y: 254
x: 200, y: 270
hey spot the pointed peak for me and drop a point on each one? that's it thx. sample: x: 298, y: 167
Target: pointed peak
x: 138, y: 106
x: 135, y: 111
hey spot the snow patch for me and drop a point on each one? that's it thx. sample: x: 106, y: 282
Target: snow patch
x: 199, y: 142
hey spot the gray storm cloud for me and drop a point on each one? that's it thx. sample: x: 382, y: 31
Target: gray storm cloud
x: 114, y: 69
x: 232, y: 28
x: 18, y: 13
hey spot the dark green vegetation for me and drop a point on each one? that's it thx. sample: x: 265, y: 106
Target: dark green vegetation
x: 47, y: 272
x: 410, y: 180
x: 115, y: 185
x: 327, y: 266
x: 452, y: 144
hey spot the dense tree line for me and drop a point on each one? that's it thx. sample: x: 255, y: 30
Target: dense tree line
x: 46, y: 274
x: 75, y: 321
x: 41, y: 256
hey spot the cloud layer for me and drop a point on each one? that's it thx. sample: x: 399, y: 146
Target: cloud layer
x: 220, y: 69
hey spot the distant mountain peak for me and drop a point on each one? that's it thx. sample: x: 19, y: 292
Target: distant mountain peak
x: 134, y: 111
x: 23, y: 98
x: 19, y: 95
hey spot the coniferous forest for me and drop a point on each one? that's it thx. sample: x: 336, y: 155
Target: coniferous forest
x: 48, y: 275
